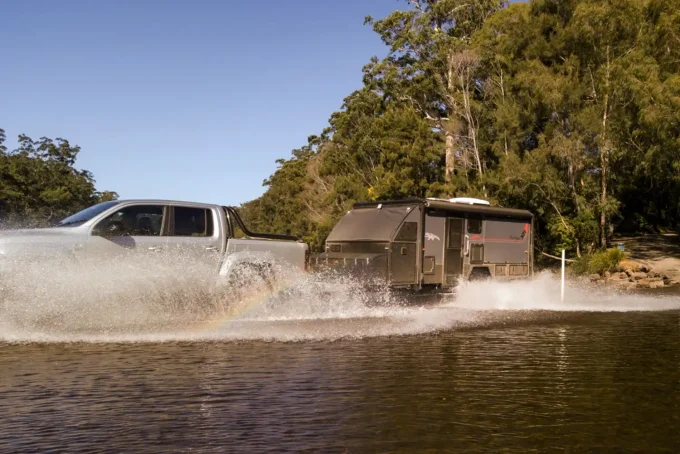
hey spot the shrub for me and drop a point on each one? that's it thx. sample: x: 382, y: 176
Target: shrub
x: 599, y: 262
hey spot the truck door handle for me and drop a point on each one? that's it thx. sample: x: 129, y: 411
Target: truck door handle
x: 211, y: 248
x: 155, y: 248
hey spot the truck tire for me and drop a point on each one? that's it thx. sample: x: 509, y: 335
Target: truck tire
x: 248, y: 275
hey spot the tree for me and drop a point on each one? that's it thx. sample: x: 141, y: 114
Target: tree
x: 40, y: 185
x: 432, y: 67
x: 570, y: 109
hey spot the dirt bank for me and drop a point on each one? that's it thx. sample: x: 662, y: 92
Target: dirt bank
x: 658, y: 252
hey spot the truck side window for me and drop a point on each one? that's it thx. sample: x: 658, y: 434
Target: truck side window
x: 193, y: 221
x: 474, y: 226
x: 135, y: 220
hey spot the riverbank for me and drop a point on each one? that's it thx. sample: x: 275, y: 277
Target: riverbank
x: 653, y: 261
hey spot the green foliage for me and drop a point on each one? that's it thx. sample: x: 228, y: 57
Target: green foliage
x: 569, y: 109
x: 40, y: 185
x: 599, y: 262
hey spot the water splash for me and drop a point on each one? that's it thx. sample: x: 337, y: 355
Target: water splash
x: 137, y: 300
x: 543, y: 293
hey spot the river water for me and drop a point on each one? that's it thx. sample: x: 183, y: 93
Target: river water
x: 500, y: 368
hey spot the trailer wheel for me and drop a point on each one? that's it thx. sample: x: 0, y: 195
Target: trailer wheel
x: 481, y: 273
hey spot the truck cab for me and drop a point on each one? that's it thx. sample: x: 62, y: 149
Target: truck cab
x: 161, y: 230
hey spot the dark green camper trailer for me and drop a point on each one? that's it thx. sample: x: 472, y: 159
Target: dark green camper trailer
x: 432, y: 243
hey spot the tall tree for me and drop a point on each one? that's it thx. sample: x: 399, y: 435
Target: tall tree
x: 432, y: 67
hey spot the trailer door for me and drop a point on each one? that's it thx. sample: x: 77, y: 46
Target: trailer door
x: 453, y: 259
x: 404, y: 258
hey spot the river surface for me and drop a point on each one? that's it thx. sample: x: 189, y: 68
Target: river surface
x: 500, y: 369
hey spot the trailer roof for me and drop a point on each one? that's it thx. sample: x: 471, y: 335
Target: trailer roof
x: 454, y: 207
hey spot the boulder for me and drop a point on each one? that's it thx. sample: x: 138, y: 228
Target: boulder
x: 639, y: 275
x: 656, y: 284
x: 650, y: 283
x: 594, y: 277
x: 623, y: 284
x: 630, y: 266
x: 642, y: 283
x: 607, y: 275
x: 617, y: 277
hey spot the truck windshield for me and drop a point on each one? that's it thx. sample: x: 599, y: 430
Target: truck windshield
x: 86, y: 214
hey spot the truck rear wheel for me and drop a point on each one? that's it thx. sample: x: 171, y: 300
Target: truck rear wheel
x: 251, y: 277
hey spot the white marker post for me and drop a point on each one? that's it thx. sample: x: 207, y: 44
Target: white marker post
x: 562, y: 289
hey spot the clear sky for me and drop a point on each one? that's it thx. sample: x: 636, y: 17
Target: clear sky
x: 190, y: 100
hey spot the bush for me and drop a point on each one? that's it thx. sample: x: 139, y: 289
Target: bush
x: 599, y: 262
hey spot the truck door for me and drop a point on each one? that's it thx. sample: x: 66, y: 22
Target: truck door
x: 138, y: 228
x: 195, y: 235
x: 453, y: 256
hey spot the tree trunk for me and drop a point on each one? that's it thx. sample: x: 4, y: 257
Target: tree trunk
x: 469, y: 117
x: 450, y: 156
x: 603, y: 200
x: 505, y: 133
x: 604, y: 161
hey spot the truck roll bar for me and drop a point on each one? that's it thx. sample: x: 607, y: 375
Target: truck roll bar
x: 232, y: 215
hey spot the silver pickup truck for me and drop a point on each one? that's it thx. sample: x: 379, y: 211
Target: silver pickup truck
x: 159, y: 229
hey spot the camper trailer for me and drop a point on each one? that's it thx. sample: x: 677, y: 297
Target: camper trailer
x: 422, y: 244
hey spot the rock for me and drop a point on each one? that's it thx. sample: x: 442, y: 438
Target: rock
x: 639, y: 275
x: 607, y: 275
x: 630, y: 266
x: 623, y: 284
x: 650, y: 283
x: 623, y: 275
x: 594, y: 277
x: 656, y: 284
x: 643, y: 283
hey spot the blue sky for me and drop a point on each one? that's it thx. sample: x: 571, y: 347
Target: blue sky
x: 190, y: 100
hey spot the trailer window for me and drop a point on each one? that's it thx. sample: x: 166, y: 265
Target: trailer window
x: 455, y: 235
x: 515, y: 230
x: 408, y: 232
x: 474, y: 226
x: 369, y: 224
